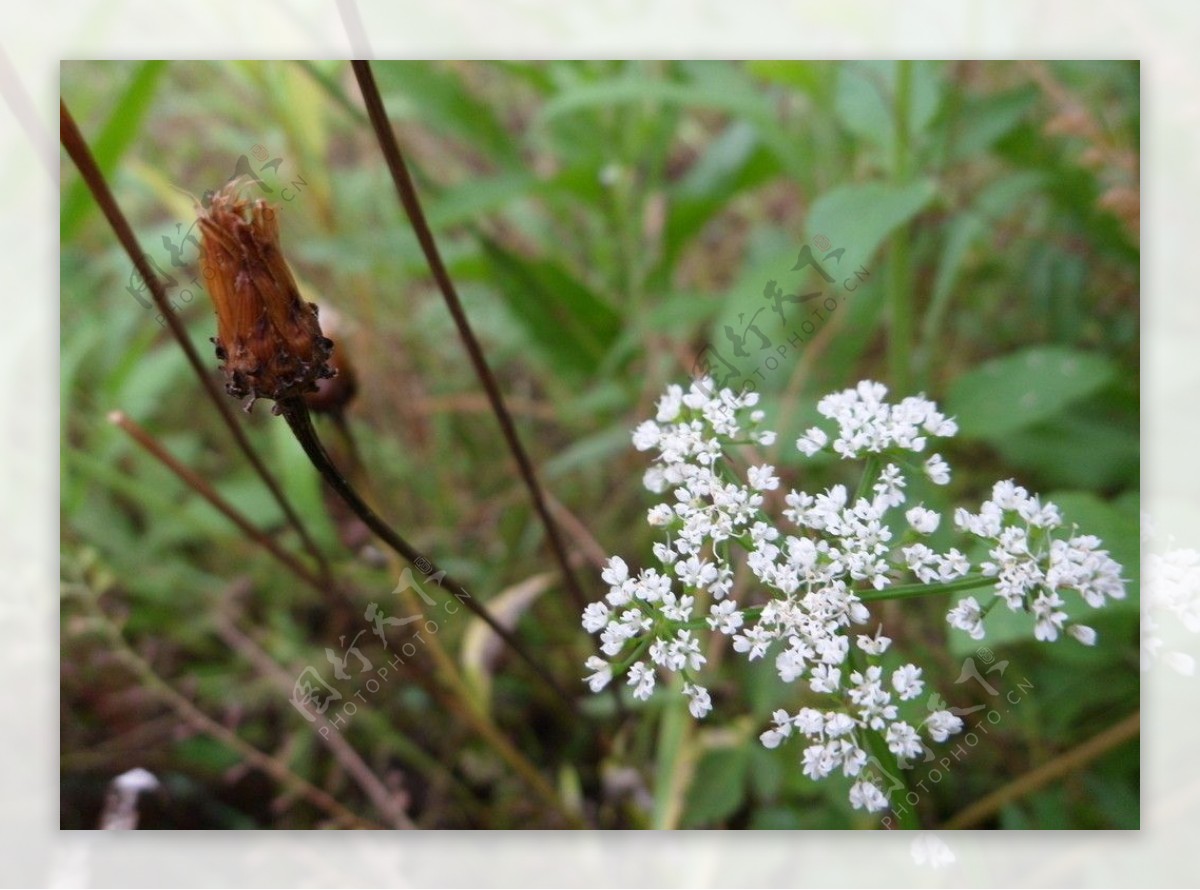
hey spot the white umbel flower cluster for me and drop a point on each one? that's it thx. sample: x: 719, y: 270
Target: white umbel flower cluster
x: 812, y: 575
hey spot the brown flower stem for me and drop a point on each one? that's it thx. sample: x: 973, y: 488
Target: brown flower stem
x: 295, y: 412
x: 412, y: 207
x: 1055, y: 769
x: 202, y: 487
x: 77, y: 147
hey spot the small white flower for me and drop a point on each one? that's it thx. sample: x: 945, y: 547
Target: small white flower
x: 695, y: 572
x: 699, y: 702
x: 595, y: 616
x: 818, y: 761
x: 875, y: 645
x: 921, y: 561
x: 1049, y: 619
x: 903, y: 741
x: 647, y: 435
x: 809, y: 721
x: 670, y: 404
x: 1083, y: 634
x: 642, y: 678
x: 943, y: 724
x: 654, y: 480
x: 923, y: 520
x: 952, y: 565
x: 825, y: 678
x: 813, y: 440
x: 601, y: 673
x: 907, y: 682
x: 615, y: 571
x: 968, y: 616
x: 937, y: 470
x: 866, y: 795
x: 660, y: 515
x: 838, y: 724
x: 772, y: 738
x: 725, y: 617
x: 889, y: 487
x: 762, y: 478
x: 677, y: 609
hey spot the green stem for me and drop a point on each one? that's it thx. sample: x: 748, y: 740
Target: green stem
x: 899, y: 296
x: 668, y: 779
x: 907, y: 591
x: 870, y: 473
x: 907, y: 817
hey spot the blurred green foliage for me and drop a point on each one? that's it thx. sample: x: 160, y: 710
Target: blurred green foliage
x: 604, y: 222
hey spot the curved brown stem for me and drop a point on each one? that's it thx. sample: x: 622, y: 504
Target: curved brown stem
x: 295, y: 412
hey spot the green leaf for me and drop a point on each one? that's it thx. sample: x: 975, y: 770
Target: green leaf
x: 775, y: 819
x: 864, y: 100
x: 985, y: 120
x: 766, y: 771
x: 859, y: 217
x: 732, y: 164
x: 807, y: 76
x: 965, y: 231
x: 1076, y: 450
x: 573, y: 326
x: 1007, y: 394
x: 466, y: 202
x: 718, y: 788
x: 121, y: 129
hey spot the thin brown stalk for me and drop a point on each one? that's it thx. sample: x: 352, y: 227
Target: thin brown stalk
x: 295, y: 412
x: 385, y: 802
x: 1055, y: 769
x: 412, y: 207
x: 77, y: 147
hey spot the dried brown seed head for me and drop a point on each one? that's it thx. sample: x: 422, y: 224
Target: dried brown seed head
x: 267, y: 336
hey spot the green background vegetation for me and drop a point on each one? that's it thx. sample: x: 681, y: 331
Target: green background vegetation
x: 603, y: 222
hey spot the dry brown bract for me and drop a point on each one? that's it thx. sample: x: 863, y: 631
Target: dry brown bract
x: 267, y: 336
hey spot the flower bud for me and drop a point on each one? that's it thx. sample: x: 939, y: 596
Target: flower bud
x: 334, y: 394
x: 267, y: 336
